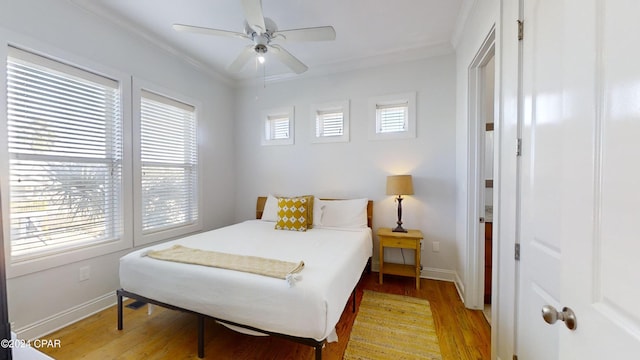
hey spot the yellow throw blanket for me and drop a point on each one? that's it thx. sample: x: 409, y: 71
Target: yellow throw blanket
x: 251, y: 264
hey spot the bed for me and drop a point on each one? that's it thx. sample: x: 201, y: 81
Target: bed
x: 304, y: 308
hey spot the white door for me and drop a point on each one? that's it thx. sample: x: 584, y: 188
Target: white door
x: 580, y: 184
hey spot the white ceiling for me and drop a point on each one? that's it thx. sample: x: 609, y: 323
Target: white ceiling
x: 369, y: 32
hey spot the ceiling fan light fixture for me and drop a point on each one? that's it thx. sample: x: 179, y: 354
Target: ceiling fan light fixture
x: 260, y: 49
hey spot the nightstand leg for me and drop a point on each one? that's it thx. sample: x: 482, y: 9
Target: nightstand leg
x: 381, y: 262
x: 418, y: 266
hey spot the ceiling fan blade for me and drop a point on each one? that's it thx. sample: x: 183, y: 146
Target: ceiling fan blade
x: 289, y: 60
x: 208, y: 31
x: 241, y: 60
x: 253, y: 14
x: 322, y: 33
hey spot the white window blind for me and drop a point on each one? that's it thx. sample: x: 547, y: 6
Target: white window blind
x: 65, y: 146
x: 278, y: 127
x: 391, y: 118
x: 169, y: 163
x: 329, y: 123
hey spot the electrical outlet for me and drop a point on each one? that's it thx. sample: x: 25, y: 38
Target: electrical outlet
x: 85, y: 273
x: 436, y: 246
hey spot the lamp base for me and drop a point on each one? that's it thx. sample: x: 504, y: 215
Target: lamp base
x: 399, y: 228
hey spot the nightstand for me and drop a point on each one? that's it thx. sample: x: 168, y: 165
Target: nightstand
x: 408, y: 240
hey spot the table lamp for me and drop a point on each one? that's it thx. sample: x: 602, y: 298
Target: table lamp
x: 399, y: 185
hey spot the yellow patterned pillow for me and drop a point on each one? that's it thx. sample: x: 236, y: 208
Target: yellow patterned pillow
x: 292, y: 214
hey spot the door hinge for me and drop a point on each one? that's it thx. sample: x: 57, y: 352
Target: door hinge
x: 519, y: 147
x: 517, y: 252
x: 520, y: 30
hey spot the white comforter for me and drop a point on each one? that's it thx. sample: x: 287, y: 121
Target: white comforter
x: 334, y: 260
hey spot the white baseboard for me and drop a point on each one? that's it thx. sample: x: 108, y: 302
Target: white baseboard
x: 65, y: 318
x: 438, y: 274
x: 459, y: 287
x: 432, y: 273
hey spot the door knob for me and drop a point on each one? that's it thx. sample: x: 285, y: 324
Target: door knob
x: 551, y: 315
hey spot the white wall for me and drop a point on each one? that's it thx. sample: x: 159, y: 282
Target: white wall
x: 41, y: 301
x: 359, y: 168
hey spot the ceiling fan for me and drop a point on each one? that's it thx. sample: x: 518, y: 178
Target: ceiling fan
x: 262, y: 31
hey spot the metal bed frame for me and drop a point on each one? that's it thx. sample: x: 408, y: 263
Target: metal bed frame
x: 317, y: 345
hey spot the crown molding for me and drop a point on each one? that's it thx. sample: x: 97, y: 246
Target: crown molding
x: 349, y: 65
x: 200, y: 65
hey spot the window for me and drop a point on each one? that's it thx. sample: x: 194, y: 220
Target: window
x: 65, y: 142
x: 394, y: 116
x: 168, y: 163
x: 331, y: 122
x: 278, y: 126
x: 391, y: 118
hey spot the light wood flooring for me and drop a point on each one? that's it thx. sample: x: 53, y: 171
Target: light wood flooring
x: 464, y: 334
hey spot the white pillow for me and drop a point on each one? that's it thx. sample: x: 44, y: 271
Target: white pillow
x: 270, y: 211
x: 318, y: 206
x: 344, y: 213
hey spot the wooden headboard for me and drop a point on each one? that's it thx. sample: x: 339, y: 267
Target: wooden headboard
x: 263, y: 200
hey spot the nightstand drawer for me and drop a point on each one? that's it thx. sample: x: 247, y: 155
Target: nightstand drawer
x: 400, y: 243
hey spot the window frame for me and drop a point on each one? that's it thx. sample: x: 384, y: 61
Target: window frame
x: 143, y: 237
x: 338, y: 106
x: 20, y: 267
x: 394, y: 99
x: 265, y: 116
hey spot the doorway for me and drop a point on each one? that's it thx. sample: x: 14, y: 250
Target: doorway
x: 486, y: 177
x: 481, y: 185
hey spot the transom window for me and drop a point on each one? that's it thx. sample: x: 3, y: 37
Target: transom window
x: 278, y: 126
x: 331, y: 122
x: 393, y: 116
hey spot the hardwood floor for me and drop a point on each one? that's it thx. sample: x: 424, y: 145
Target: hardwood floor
x: 464, y: 334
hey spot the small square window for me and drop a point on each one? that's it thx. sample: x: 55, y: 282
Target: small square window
x: 278, y: 126
x: 393, y: 116
x: 331, y: 122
